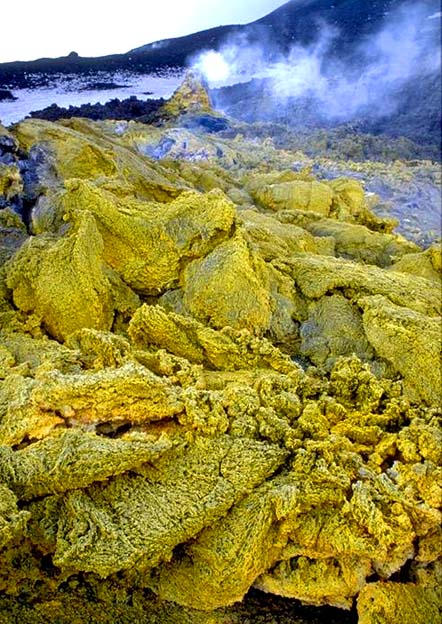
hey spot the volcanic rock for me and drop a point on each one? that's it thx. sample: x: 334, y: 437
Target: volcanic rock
x: 217, y: 374
x: 6, y: 96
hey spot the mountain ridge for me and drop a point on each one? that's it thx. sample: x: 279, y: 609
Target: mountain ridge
x: 297, y: 21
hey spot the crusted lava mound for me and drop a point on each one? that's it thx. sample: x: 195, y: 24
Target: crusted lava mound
x: 219, y: 375
x: 190, y: 103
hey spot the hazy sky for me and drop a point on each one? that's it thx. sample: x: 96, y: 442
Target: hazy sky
x: 36, y: 28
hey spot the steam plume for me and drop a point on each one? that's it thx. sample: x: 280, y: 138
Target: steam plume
x: 368, y: 82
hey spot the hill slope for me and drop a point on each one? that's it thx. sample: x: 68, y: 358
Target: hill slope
x: 296, y: 21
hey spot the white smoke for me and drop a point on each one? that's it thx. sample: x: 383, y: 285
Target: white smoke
x: 237, y: 61
x: 214, y: 67
x: 405, y: 48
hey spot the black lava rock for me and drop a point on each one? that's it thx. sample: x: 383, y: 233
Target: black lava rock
x: 129, y: 109
x: 7, y: 96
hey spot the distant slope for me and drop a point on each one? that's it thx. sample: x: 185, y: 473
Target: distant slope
x: 296, y: 21
x: 301, y: 20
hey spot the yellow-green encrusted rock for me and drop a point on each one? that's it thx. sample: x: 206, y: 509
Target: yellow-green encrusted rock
x: 229, y: 287
x: 383, y: 603
x: 358, y: 242
x: 190, y: 97
x: 226, y: 349
x: 216, y: 373
x: 10, y: 181
x: 334, y: 328
x: 317, y: 276
x: 77, y: 148
x: 426, y: 264
x: 147, y: 244
x: 410, y: 341
x: 130, y: 393
x: 64, y: 281
x: 135, y: 521
x: 297, y: 195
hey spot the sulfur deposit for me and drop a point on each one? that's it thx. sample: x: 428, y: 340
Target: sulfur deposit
x: 218, y: 374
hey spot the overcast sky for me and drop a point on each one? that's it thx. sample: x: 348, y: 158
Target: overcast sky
x: 33, y: 29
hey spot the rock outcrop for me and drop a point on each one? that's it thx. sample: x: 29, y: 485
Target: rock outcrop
x: 217, y: 374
